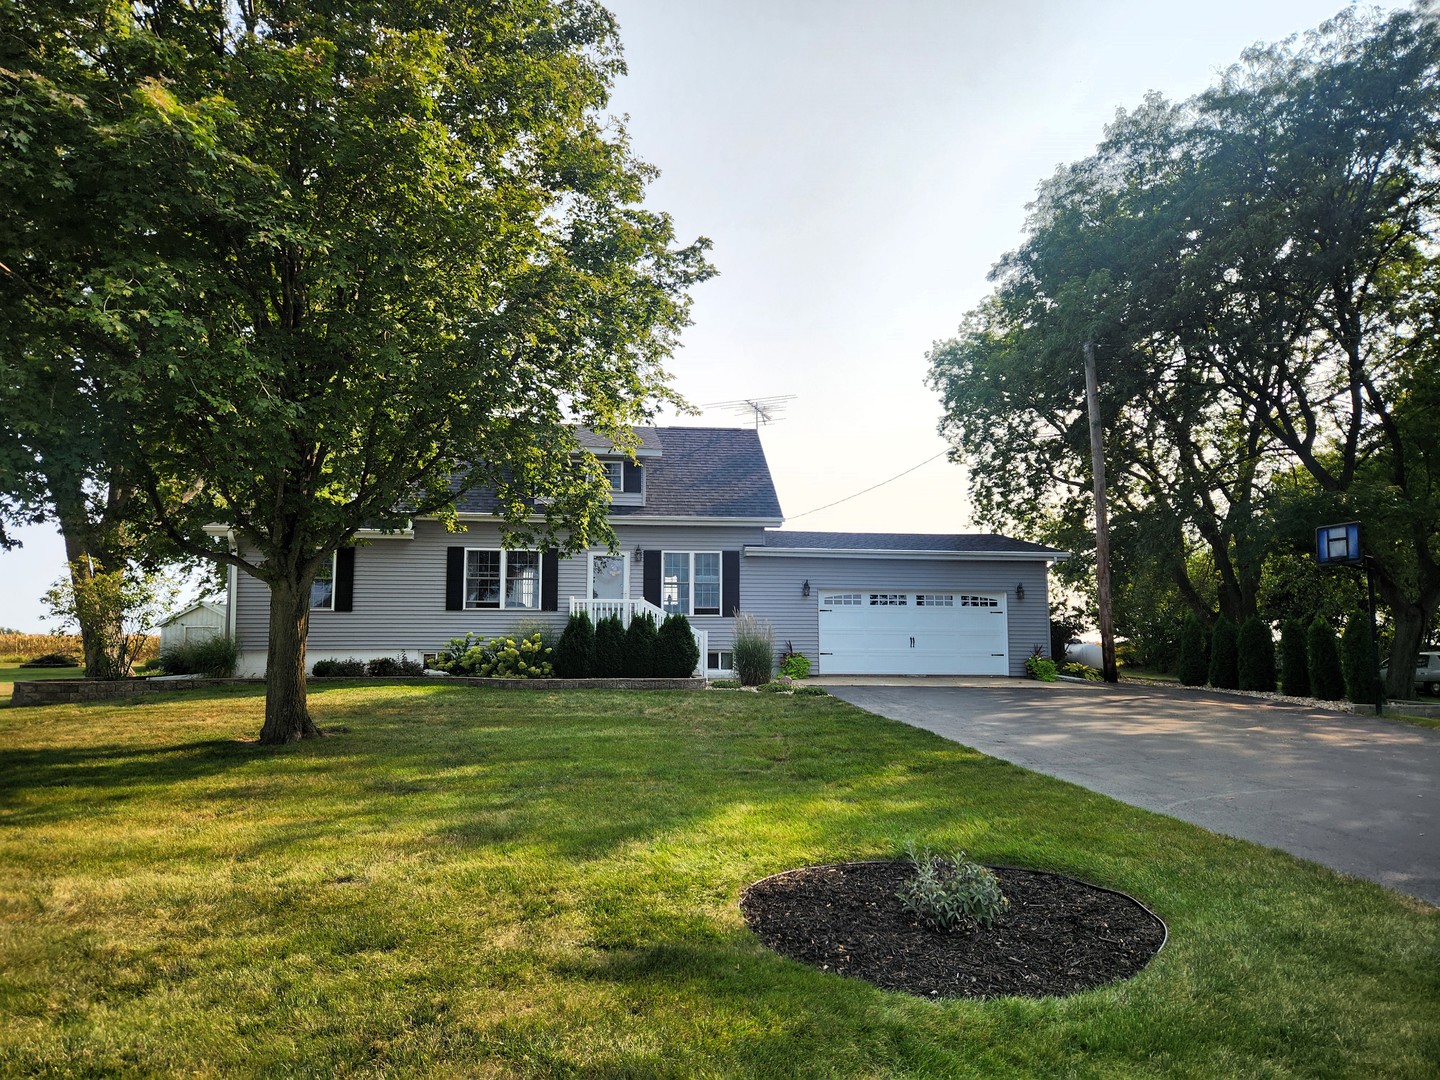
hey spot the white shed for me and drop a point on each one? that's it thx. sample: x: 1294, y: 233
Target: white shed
x: 198, y: 621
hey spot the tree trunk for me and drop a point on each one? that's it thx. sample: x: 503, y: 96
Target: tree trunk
x: 1410, y: 623
x: 287, y: 719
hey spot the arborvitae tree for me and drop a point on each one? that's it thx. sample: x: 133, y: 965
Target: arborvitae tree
x: 609, y: 647
x: 1193, y: 666
x: 1256, y: 660
x: 1326, y: 680
x: 575, y: 652
x: 1359, y: 664
x: 1294, y: 664
x: 676, y: 653
x: 638, y: 660
x: 1224, y: 665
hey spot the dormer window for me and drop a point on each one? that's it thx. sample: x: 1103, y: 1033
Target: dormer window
x: 615, y: 474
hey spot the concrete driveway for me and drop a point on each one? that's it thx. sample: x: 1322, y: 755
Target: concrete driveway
x: 1360, y: 795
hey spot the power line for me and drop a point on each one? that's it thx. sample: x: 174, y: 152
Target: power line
x: 872, y: 487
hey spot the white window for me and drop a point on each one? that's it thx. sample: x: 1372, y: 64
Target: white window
x: 853, y: 599
x: 322, y: 589
x: 518, y: 572
x: 720, y: 660
x: 934, y: 600
x: 889, y: 600
x: 690, y: 582
x: 979, y: 601
x: 615, y: 473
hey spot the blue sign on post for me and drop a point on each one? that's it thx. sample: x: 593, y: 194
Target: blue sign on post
x: 1338, y: 545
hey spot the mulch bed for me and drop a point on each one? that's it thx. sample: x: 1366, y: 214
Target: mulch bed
x: 1059, y: 936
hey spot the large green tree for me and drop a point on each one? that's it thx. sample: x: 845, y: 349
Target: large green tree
x: 1256, y: 267
x: 349, y: 261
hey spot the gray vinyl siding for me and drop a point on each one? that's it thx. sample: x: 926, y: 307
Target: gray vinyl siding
x: 772, y: 590
x: 399, y: 600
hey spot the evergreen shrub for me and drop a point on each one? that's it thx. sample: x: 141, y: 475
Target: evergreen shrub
x: 1224, y: 660
x: 1358, y: 663
x: 676, y: 653
x: 609, y: 647
x: 638, y: 659
x: 575, y: 653
x: 1256, y: 660
x: 1327, y: 682
x: 1194, y: 665
x: 1294, y: 664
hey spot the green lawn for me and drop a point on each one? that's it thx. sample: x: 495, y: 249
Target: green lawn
x: 501, y: 883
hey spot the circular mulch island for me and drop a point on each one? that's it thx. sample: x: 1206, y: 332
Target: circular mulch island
x: 1059, y: 936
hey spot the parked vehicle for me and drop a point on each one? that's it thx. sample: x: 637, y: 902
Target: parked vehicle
x: 1427, y: 672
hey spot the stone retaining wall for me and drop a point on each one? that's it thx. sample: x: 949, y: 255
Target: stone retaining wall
x: 72, y: 691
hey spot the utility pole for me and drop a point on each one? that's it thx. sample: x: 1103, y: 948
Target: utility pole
x: 1102, y: 522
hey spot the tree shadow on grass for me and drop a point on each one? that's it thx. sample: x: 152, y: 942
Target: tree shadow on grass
x: 106, y: 768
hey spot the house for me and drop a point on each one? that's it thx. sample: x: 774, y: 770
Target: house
x: 197, y: 622
x: 697, y: 523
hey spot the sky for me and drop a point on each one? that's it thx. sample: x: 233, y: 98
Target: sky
x: 859, y: 168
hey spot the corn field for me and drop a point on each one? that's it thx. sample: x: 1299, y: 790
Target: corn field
x: 15, y: 647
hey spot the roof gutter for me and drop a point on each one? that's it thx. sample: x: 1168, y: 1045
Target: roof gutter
x: 758, y: 551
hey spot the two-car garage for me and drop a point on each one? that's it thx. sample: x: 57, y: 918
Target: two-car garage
x: 903, y: 603
x: 895, y: 632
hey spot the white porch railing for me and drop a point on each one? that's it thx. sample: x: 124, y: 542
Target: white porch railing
x: 627, y: 610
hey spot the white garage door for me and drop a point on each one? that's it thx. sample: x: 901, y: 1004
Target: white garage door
x: 913, y: 633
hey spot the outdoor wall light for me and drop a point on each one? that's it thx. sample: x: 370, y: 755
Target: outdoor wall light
x: 805, y: 589
x: 639, y: 553
x: 1020, y: 591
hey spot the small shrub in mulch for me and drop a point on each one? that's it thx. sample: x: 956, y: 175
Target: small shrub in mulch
x: 1057, y: 936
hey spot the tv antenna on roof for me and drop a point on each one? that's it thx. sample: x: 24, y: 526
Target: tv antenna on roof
x: 765, y: 410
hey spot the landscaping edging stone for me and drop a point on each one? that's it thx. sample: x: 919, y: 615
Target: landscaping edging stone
x: 75, y: 691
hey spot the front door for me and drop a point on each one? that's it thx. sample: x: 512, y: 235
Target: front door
x: 608, y: 579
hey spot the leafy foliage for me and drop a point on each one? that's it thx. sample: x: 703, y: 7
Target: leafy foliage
x: 388, y: 667
x: 952, y: 894
x: 1294, y: 662
x: 118, y: 606
x: 1257, y: 270
x: 215, y: 657
x: 1359, y: 664
x: 1224, y: 658
x: 1040, y: 667
x: 330, y: 267
x: 575, y: 654
x: 333, y: 668
x: 795, y: 666
x: 1082, y: 671
x: 1255, y: 663
x: 676, y: 652
x: 497, y: 657
x: 1323, y: 654
x: 753, y: 649
x: 637, y: 660
x: 1194, y: 661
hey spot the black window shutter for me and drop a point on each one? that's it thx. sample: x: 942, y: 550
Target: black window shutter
x: 345, y: 579
x: 550, y: 581
x: 454, y: 579
x: 652, y: 577
x: 631, y: 478
x: 729, y: 583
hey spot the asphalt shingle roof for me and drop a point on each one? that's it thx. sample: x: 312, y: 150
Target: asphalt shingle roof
x: 701, y: 472
x: 956, y: 542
